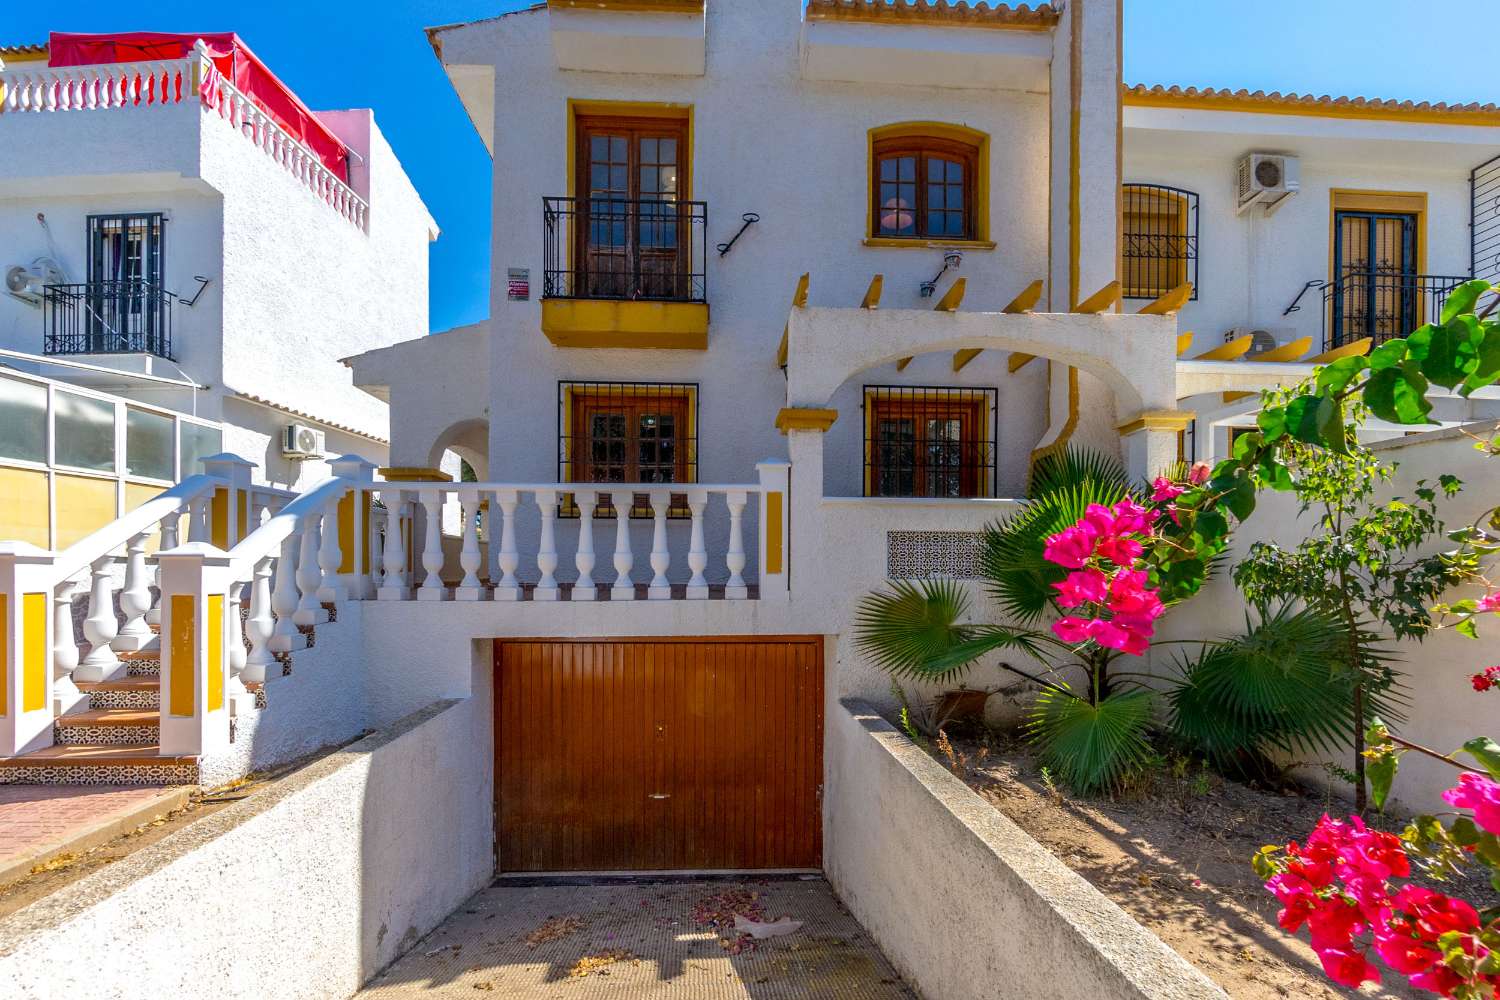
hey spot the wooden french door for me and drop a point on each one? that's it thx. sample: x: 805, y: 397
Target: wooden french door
x: 1377, y: 292
x: 658, y: 754
x: 635, y: 243
x: 928, y: 448
x: 124, y: 296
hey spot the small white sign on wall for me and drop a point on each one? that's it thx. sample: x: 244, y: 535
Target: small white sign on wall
x: 518, y: 284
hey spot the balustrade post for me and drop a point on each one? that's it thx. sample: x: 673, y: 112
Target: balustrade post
x: 236, y: 656
x: 285, y: 637
x: 310, y: 610
x: 584, y: 588
x: 198, y: 519
x: 334, y: 588
x: 355, y: 514
x: 377, y: 551
x: 66, y: 698
x: 25, y: 648
x: 697, y: 588
x: 100, y: 627
x: 432, y: 548
x: 135, y: 599
x: 195, y: 649
x: 259, y: 663
x: 394, y: 586
x: 661, y: 558
x: 168, y: 541
x: 624, y: 587
x: 734, y: 559
x: 492, y: 529
x: 546, y: 553
x: 509, y: 588
x: 469, y: 588
x: 775, y: 538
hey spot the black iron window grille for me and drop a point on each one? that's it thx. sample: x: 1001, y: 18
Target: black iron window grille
x: 1484, y: 220
x: 1159, y: 248
x: 619, y: 248
x: 929, y: 441
x: 107, y: 317
x: 1382, y: 304
x: 627, y: 432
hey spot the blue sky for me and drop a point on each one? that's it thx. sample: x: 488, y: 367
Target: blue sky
x: 378, y: 57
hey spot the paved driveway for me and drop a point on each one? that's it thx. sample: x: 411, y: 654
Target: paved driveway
x: 620, y: 941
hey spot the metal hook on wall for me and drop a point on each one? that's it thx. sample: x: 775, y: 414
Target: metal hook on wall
x: 750, y: 219
x: 951, y: 260
x: 202, y: 284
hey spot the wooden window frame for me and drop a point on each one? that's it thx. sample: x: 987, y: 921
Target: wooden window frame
x: 577, y: 400
x: 922, y: 147
x: 976, y: 471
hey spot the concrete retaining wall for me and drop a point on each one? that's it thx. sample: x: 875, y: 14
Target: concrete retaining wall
x: 962, y: 901
x: 303, y: 890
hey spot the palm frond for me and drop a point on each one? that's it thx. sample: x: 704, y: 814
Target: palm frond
x: 1074, y: 467
x: 911, y: 626
x: 1280, y: 686
x: 1092, y: 747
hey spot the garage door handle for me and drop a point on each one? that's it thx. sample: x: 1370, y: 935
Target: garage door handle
x: 658, y: 795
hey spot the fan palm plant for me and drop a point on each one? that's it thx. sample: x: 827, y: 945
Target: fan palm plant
x: 1091, y: 719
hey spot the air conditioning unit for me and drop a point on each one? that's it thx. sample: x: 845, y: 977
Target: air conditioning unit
x: 1261, y: 340
x: 26, y: 283
x: 301, y: 443
x: 1266, y: 179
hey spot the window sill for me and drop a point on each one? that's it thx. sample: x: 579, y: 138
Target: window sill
x: 893, y: 243
x: 626, y: 323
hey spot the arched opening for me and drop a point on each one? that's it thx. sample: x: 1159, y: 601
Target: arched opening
x: 467, y: 441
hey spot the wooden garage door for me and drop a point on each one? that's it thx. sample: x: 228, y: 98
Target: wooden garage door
x: 658, y: 755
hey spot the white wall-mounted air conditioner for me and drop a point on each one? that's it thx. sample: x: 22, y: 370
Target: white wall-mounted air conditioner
x: 26, y: 283
x: 301, y: 443
x: 1262, y: 339
x: 1266, y: 179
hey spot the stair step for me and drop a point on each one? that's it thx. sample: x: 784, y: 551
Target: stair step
x: 119, y: 764
x: 108, y: 726
x: 113, y: 717
x: 124, y: 692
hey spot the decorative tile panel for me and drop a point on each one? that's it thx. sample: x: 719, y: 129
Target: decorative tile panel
x: 922, y: 555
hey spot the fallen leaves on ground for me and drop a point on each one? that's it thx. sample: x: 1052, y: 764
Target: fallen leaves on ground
x: 718, y: 910
x: 53, y: 864
x: 600, y: 962
x: 552, y: 929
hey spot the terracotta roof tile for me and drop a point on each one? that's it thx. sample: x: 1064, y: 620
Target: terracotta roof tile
x: 980, y: 14
x: 36, y: 49
x: 1217, y: 99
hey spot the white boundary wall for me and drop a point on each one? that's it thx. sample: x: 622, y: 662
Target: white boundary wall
x: 304, y: 890
x: 961, y: 900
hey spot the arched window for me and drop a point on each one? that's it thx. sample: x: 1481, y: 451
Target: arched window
x: 925, y: 185
x: 1159, y: 247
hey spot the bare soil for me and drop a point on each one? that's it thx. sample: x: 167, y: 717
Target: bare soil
x: 1175, y: 855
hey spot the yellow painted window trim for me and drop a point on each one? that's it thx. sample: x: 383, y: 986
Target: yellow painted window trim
x: 1359, y: 200
x: 628, y: 109
x: 935, y: 130
x: 989, y: 435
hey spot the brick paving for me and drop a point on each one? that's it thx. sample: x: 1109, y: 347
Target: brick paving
x: 40, y: 821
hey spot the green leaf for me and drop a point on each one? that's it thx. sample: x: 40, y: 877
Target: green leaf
x: 1463, y: 299
x: 1487, y: 752
x: 911, y: 629
x: 1467, y: 629
x: 1388, y: 355
x: 1449, y: 350
x: 1381, y: 772
x: 1336, y: 376
x: 1486, y: 362
x: 1302, y: 419
x: 1247, y: 444
x: 1398, y: 395
x: 1092, y: 747
x: 1272, y: 422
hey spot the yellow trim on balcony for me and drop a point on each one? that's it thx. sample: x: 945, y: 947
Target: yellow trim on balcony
x: 622, y: 323
x: 632, y: 6
x: 1158, y: 420
x: 414, y: 474
x: 795, y: 418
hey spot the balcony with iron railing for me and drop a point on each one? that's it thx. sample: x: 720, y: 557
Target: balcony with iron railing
x: 1381, y: 304
x: 107, y: 317
x: 625, y: 272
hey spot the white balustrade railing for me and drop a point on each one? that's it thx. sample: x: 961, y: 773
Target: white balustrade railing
x: 26, y: 87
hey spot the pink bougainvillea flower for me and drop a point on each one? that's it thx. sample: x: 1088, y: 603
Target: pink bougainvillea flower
x: 1163, y: 489
x: 1100, y: 519
x: 1128, y: 594
x: 1376, y: 853
x: 1438, y: 979
x: 1082, y: 586
x: 1297, y: 899
x: 1200, y: 473
x: 1434, y: 914
x: 1479, y: 794
x: 1071, y: 547
x: 1112, y: 635
x: 1482, y: 682
x: 1333, y: 923
x: 1120, y: 551
x: 1348, y: 967
x: 1403, y: 952
x: 1130, y: 518
x: 1490, y: 601
x: 1072, y: 629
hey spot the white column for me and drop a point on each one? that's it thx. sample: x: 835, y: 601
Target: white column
x: 393, y: 587
x: 168, y: 541
x: 432, y: 550
x: 235, y: 655
x: 285, y: 637
x: 697, y: 588
x: 66, y: 698
x: 195, y: 649
x: 661, y: 559
x: 624, y: 587
x: 99, y: 628
x: 734, y: 559
x: 135, y: 598
x: 492, y: 531
x: 309, y: 576
x: 334, y: 588
x: 509, y: 588
x: 546, y: 553
x: 260, y: 664
x: 584, y: 588
x: 378, y: 528
x: 469, y: 588
x: 26, y: 647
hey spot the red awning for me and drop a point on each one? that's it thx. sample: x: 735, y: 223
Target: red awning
x: 233, y: 59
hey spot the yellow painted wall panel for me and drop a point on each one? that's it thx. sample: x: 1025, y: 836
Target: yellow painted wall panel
x: 4, y: 655
x: 773, y: 532
x: 34, y: 652
x: 84, y: 505
x: 184, y: 665
x: 214, y: 622
x: 24, y: 515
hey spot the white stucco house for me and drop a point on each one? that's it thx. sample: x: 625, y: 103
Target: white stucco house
x: 186, y: 242
x: 787, y: 299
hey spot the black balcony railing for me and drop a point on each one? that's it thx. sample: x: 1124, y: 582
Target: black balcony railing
x: 107, y: 317
x: 1382, y: 304
x: 613, y: 248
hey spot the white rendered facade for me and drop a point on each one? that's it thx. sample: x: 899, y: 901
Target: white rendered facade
x: 293, y: 282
